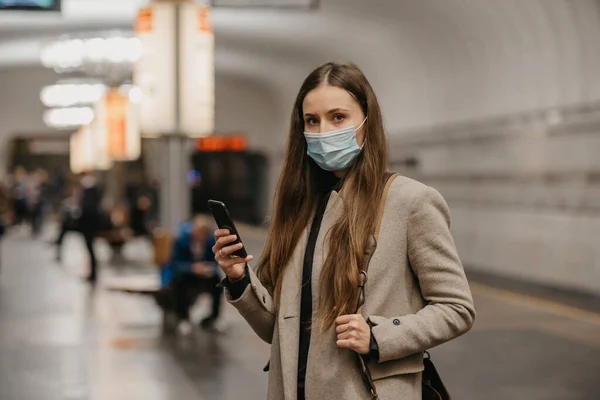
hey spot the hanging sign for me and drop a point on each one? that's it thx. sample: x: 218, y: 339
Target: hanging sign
x: 154, y: 73
x: 117, y: 123
x: 157, y: 76
x: 82, y: 154
x: 197, y: 89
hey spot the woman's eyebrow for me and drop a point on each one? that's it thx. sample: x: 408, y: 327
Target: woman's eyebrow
x: 333, y: 110
x: 337, y: 109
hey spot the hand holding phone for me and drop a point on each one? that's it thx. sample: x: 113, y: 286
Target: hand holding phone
x: 229, y: 250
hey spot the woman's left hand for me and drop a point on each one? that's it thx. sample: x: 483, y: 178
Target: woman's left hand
x: 353, y: 333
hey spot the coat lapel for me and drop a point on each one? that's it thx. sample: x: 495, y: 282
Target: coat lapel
x: 291, y: 291
x: 288, y: 318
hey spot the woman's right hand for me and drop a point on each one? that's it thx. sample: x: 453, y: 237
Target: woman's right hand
x: 234, y: 267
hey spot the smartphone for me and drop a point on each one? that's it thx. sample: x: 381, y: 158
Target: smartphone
x: 224, y: 221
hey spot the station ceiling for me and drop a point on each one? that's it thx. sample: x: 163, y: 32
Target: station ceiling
x: 431, y: 61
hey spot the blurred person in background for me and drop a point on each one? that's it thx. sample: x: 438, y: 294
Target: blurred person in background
x: 4, y: 205
x: 19, y: 195
x: 70, y: 213
x: 139, y: 216
x: 58, y: 187
x: 153, y: 192
x: 192, y: 270
x: 325, y: 211
x: 38, y: 198
x: 4, y: 210
x: 90, y: 219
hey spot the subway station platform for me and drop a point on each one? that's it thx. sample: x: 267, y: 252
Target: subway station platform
x: 61, y: 339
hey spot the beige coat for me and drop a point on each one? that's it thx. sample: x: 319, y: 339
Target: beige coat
x: 417, y: 296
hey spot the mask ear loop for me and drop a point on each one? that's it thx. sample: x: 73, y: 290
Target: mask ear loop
x: 360, y: 126
x: 362, y: 123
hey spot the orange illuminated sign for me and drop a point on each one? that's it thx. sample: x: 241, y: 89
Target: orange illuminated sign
x: 116, y: 123
x: 204, y: 24
x: 144, y: 20
x: 222, y: 143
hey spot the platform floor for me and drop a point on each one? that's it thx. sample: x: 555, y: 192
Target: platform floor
x: 59, y: 339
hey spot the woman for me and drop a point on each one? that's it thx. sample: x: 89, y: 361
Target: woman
x: 301, y: 298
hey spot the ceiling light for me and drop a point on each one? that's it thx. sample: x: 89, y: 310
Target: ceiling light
x: 63, y: 118
x: 67, y: 95
x: 77, y: 54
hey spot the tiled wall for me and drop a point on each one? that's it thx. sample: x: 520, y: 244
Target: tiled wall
x: 523, y: 205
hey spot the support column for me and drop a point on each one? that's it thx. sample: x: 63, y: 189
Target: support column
x: 175, y: 195
x: 175, y: 146
x: 115, y: 184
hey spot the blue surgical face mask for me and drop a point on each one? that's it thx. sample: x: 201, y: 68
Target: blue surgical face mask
x: 334, y: 151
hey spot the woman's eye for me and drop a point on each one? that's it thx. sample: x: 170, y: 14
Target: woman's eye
x: 338, y: 118
x: 312, y: 121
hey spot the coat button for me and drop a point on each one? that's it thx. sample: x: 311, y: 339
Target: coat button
x: 396, y: 322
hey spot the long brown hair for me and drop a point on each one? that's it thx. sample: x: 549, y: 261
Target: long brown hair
x: 298, y: 194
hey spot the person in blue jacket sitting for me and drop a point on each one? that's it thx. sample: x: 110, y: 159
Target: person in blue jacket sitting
x: 192, y: 270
